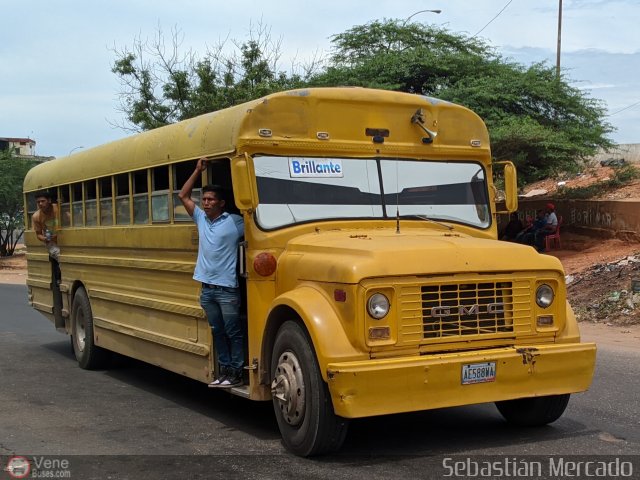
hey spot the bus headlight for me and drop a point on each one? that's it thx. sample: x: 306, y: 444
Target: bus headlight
x: 544, y: 296
x: 378, y: 306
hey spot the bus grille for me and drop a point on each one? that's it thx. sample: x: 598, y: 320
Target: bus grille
x: 466, y: 309
x: 483, y: 308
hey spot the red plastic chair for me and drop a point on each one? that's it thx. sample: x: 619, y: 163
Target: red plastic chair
x: 554, y: 238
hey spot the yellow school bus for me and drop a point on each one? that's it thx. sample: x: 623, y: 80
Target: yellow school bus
x: 372, y: 279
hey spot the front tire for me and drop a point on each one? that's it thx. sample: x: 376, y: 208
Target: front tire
x: 535, y: 411
x: 301, y: 399
x: 88, y: 354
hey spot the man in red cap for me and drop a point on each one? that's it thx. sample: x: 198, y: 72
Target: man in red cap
x: 550, y: 226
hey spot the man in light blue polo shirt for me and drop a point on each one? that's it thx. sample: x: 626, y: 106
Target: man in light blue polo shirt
x: 219, y: 233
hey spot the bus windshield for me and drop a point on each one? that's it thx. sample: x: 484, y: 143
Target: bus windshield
x: 303, y: 189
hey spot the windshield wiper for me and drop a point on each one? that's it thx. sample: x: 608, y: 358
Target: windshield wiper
x: 423, y: 217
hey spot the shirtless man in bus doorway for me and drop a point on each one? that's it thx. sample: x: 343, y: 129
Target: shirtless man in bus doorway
x: 219, y: 233
x: 45, y: 222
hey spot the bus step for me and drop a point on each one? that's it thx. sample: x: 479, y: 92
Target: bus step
x: 241, y: 391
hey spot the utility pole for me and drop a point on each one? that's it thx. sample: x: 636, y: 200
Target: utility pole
x: 559, y: 39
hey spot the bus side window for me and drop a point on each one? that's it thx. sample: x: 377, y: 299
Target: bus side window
x: 106, y: 201
x: 65, y: 205
x: 181, y: 173
x: 77, y: 215
x: 160, y: 194
x: 140, y: 197
x: 90, y: 203
x: 123, y: 213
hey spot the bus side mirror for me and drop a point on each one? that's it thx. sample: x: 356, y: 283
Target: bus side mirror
x: 245, y: 191
x: 510, y: 187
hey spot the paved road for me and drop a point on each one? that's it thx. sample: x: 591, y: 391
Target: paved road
x: 144, y: 422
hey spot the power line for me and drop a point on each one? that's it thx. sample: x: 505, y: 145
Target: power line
x: 623, y: 109
x: 497, y: 15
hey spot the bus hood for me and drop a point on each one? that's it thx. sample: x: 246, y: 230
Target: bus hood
x: 350, y: 256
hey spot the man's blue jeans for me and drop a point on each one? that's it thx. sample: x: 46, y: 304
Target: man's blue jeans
x: 222, y: 307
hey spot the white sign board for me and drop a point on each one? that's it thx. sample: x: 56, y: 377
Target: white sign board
x: 315, y: 167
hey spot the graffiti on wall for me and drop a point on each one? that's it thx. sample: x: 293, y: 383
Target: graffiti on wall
x: 582, y: 215
x: 616, y: 216
x: 527, y: 216
x: 591, y: 217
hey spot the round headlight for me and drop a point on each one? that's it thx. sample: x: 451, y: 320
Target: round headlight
x: 544, y: 296
x: 378, y: 306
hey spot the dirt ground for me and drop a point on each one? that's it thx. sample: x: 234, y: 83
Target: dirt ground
x: 590, y: 175
x: 603, y: 279
x: 600, y: 272
x: 14, y: 269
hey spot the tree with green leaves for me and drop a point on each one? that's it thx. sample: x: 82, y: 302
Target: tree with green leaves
x: 12, y: 173
x: 534, y: 118
x: 160, y: 85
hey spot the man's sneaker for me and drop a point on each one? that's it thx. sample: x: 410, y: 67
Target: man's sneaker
x: 231, y: 381
x: 223, y: 372
x: 218, y: 382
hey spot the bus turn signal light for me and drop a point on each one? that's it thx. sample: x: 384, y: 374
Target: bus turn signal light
x: 339, y: 295
x: 545, y: 321
x: 265, y: 264
x: 379, y: 333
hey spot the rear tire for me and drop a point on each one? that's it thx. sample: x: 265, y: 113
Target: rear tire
x: 301, y: 398
x: 88, y: 354
x: 535, y: 411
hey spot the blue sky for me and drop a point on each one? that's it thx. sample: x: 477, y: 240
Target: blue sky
x: 56, y: 84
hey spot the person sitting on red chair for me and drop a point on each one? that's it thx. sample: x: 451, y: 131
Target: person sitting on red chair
x: 549, y: 228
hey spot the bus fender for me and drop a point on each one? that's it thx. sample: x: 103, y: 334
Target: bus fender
x: 571, y: 332
x: 327, y: 333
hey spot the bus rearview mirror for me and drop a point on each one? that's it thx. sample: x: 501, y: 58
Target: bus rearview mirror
x: 244, y: 185
x: 510, y: 186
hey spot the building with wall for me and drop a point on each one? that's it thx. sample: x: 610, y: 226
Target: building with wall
x: 20, y: 147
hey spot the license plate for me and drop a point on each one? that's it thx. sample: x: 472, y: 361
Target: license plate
x: 478, y: 373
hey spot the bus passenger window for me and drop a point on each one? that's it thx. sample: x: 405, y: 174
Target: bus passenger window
x: 106, y: 202
x: 160, y: 194
x: 90, y: 203
x: 65, y: 205
x: 76, y: 205
x: 140, y: 197
x: 181, y: 173
x: 123, y: 214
